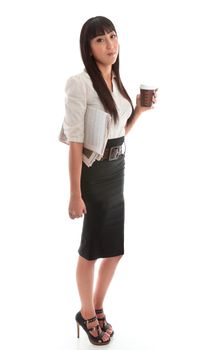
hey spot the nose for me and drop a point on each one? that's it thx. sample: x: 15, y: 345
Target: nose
x: 109, y: 43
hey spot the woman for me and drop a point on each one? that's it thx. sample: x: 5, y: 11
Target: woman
x: 97, y: 187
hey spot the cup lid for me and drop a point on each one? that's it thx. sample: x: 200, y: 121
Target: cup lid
x: 147, y: 87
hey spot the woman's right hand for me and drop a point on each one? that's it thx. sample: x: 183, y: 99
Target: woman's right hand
x: 76, y: 207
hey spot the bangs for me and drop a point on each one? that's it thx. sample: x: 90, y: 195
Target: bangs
x: 99, y: 26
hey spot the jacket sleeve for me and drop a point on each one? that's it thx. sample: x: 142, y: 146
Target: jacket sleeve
x: 75, y: 109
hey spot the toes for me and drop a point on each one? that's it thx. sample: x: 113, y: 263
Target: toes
x: 106, y: 337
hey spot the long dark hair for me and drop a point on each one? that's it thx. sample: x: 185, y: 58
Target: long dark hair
x: 93, y: 27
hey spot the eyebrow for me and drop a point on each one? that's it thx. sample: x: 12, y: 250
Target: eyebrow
x: 106, y: 33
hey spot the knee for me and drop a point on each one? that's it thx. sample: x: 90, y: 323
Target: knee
x: 85, y: 261
x: 112, y: 260
x: 117, y: 258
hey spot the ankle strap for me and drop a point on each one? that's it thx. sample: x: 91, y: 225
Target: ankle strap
x: 90, y: 320
x: 99, y: 311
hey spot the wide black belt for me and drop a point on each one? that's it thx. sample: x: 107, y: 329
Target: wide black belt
x: 112, y: 153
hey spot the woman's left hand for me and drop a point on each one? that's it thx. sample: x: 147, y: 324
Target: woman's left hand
x: 140, y: 109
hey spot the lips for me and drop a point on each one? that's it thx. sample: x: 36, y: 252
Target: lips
x: 111, y: 54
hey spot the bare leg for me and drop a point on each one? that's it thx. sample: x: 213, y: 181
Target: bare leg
x: 105, y: 275
x: 85, y: 277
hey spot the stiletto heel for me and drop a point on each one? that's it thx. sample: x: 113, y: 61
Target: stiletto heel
x: 83, y: 323
x: 78, y: 330
x: 105, y: 326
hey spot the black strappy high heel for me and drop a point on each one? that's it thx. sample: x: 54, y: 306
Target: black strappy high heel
x: 83, y: 323
x: 105, y: 325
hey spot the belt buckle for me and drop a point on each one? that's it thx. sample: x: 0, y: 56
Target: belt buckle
x: 114, y: 153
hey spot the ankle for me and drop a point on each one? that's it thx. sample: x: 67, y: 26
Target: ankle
x: 98, y: 307
x: 98, y: 304
x: 87, y: 313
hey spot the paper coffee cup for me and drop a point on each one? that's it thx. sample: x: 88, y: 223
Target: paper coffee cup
x: 146, y: 94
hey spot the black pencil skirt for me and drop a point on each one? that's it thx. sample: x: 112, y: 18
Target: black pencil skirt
x: 102, y: 187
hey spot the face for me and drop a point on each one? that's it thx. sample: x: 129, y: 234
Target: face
x: 105, y: 48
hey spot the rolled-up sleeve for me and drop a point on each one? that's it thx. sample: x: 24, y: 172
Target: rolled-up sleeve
x: 75, y: 109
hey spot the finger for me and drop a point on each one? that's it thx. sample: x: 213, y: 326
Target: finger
x: 138, y: 97
x: 85, y: 211
x: 72, y: 215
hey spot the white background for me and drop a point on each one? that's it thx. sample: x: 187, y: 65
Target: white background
x: 162, y: 296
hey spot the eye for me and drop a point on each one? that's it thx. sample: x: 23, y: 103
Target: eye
x: 113, y: 36
x: 99, y: 40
